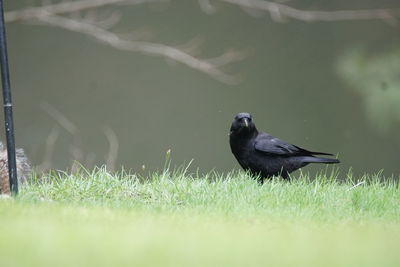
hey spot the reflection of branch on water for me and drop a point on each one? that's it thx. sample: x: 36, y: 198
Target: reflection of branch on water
x: 59, y: 117
x: 49, y: 150
x: 279, y: 12
x: 148, y: 48
x: 113, y: 148
x: 88, y: 24
x: 77, y: 154
x: 65, y: 7
x: 80, y: 16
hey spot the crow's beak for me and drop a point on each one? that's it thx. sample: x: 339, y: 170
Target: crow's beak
x: 246, y: 122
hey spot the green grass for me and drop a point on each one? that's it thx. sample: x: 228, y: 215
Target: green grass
x: 177, y: 219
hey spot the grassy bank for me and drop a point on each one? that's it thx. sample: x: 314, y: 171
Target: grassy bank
x: 172, y: 218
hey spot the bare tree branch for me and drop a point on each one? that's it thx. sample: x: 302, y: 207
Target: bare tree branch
x: 274, y: 8
x: 154, y: 49
x: 206, y: 6
x: 280, y: 11
x: 49, y: 14
x: 106, y: 23
x: 66, y: 7
x: 227, y: 58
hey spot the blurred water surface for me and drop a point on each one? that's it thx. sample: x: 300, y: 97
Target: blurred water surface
x: 290, y: 83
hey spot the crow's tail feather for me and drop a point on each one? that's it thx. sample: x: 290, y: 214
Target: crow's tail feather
x: 320, y: 160
x: 310, y: 153
x: 321, y: 153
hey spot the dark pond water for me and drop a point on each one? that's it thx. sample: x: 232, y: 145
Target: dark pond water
x: 294, y: 83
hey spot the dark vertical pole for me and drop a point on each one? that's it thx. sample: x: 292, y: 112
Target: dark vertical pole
x: 8, y: 115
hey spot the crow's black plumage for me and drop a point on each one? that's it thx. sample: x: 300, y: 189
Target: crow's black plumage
x: 265, y: 155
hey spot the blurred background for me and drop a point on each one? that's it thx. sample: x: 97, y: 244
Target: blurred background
x: 121, y: 82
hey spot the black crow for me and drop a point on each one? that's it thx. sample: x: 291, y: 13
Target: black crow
x: 266, y: 156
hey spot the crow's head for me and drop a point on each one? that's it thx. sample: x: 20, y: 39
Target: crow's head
x: 243, y: 124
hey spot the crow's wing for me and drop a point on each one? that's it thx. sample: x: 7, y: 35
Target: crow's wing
x: 268, y: 144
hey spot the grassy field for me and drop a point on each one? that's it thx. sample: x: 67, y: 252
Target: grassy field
x: 177, y: 219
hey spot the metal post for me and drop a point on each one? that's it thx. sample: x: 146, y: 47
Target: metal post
x: 8, y: 115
